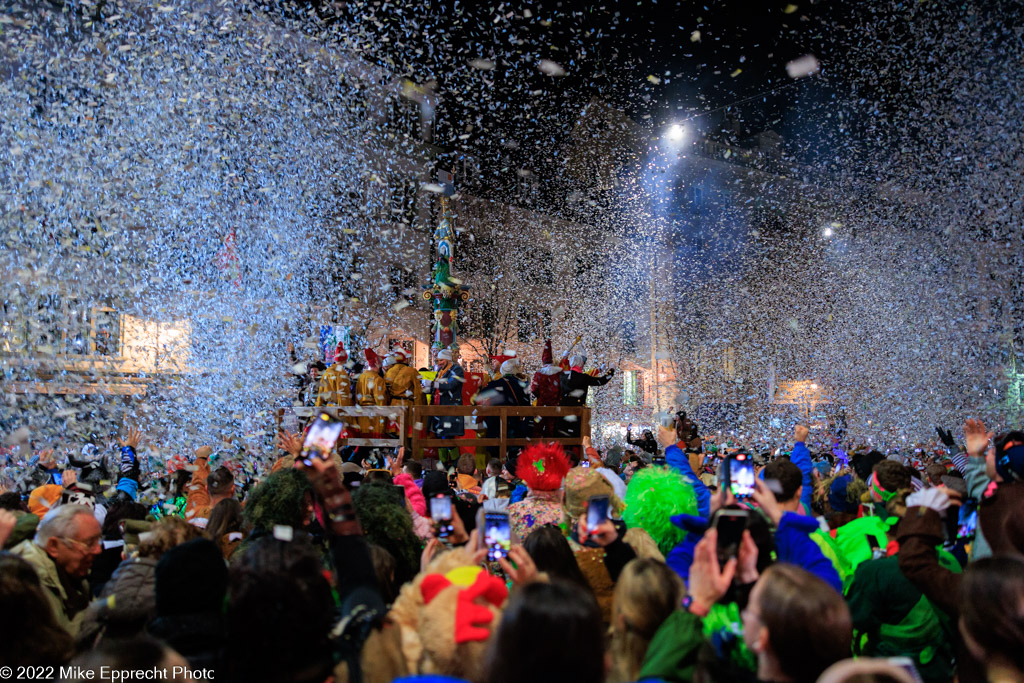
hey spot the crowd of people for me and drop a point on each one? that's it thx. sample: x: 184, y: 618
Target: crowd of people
x: 687, y: 559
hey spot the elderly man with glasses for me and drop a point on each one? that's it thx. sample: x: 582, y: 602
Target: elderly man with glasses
x: 67, y: 540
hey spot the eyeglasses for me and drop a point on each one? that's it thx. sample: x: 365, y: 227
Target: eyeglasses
x: 85, y: 546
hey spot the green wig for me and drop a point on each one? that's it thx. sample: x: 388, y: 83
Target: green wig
x: 653, y: 496
x: 389, y: 525
x: 278, y: 499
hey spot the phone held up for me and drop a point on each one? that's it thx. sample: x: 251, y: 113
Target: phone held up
x: 597, y: 513
x: 320, y: 438
x: 497, y: 537
x: 730, y: 525
x: 737, y: 473
x: 441, y: 515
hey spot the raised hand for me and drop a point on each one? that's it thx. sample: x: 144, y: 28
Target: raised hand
x: 132, y: 440
x: 709, y: 581
x: 290, y: 443
x: 800, y: 434
x: 525, y: 569
x: 976, y: 437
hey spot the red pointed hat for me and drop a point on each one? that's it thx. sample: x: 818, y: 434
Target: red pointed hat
x: 543, y: 466
x: 504, y: 356
x: 372, y: 359
x: 546, y: 357
x: 340, y: 354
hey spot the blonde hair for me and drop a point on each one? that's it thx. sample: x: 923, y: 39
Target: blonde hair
x: 166, y: 534
x: 647, y: 594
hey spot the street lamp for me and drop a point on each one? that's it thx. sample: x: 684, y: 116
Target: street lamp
x: 675, y: 133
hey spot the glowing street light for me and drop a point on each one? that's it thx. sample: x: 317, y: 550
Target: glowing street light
x: 675, y: 133
x: 827, y: 232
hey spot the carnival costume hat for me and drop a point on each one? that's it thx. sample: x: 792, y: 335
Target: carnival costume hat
x: 546, y: 357
x: 400, y: 354
x: 1010, y: 456
x: 340, y: 354
x: 504, y: 356
x: 582, y: 483
x: 653, y: 497
x: 445, y: 354
x: 510, y: 367
x: 389, y: 360
x: 372, y: 359
x: 542, y: 467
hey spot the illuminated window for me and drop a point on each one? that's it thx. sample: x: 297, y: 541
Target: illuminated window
x: 632, y: 388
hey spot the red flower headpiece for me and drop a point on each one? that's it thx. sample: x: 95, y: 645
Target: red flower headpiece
x: 543, y: 467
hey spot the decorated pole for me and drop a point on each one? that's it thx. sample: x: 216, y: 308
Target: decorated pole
x: 445, y: 291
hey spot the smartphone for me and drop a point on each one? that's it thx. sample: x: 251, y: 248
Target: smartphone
x: 497, y: 535
x: 597, y: 511
x: 441, y: 514
x: 657, y: 460
x: 967, y: 524
x: 585, y: 463
x: 730, y: 525
x: 321, y: 437
x: 907, y: 664
x: 741, y: 475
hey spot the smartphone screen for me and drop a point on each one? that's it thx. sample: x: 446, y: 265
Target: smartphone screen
x: 968, y: 522
x: 585, y: 463
x: 321, y: 437
x: 497, y: 535
x: 741, y: 475
x: 657, y: 460
x: 441, y: 514
x: 597, y: 511
x: 730, y: 525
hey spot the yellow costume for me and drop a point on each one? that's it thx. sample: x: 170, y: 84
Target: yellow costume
x: 403, y: 384
x: 335, y: 389
x: 371, y: 391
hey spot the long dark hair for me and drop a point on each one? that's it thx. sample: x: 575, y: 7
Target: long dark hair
x: 992, y: 607
x: 29, y: 632
x: 550, y: 632
x: 551, y: 553
x: 225, y: 517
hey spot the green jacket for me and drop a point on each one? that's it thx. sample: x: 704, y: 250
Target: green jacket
x: 46, y: 570
x: 892, y: 618
x: 672, y: 654
x: 858, y: 540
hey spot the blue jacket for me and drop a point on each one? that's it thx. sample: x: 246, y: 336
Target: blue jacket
x: 794, y: 545
x: 677, y: 460
x: 801, y: 457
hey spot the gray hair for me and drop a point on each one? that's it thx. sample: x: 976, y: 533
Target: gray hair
x: 59, y: 522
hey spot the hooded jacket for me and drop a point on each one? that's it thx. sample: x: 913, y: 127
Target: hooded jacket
x: 672, y: 654
x: 61, y: 602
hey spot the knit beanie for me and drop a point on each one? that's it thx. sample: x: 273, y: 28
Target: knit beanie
x: 580, y: 485
x: 191, y: 578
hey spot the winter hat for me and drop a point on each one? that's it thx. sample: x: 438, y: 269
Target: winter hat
x: 837, y: 494
x: 546, y: 357
x: 372, y: 359
x: 581, y: 483
x: 444, y: 354
x: 1010, y: 459
x: 863, y: 465
x: 542, y: 467
x: 191, y: 578
x: 504, y: 356
x: 43, y: 499
x: 510, y: 367
x: 340, y: 354
x: 435, y: 483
